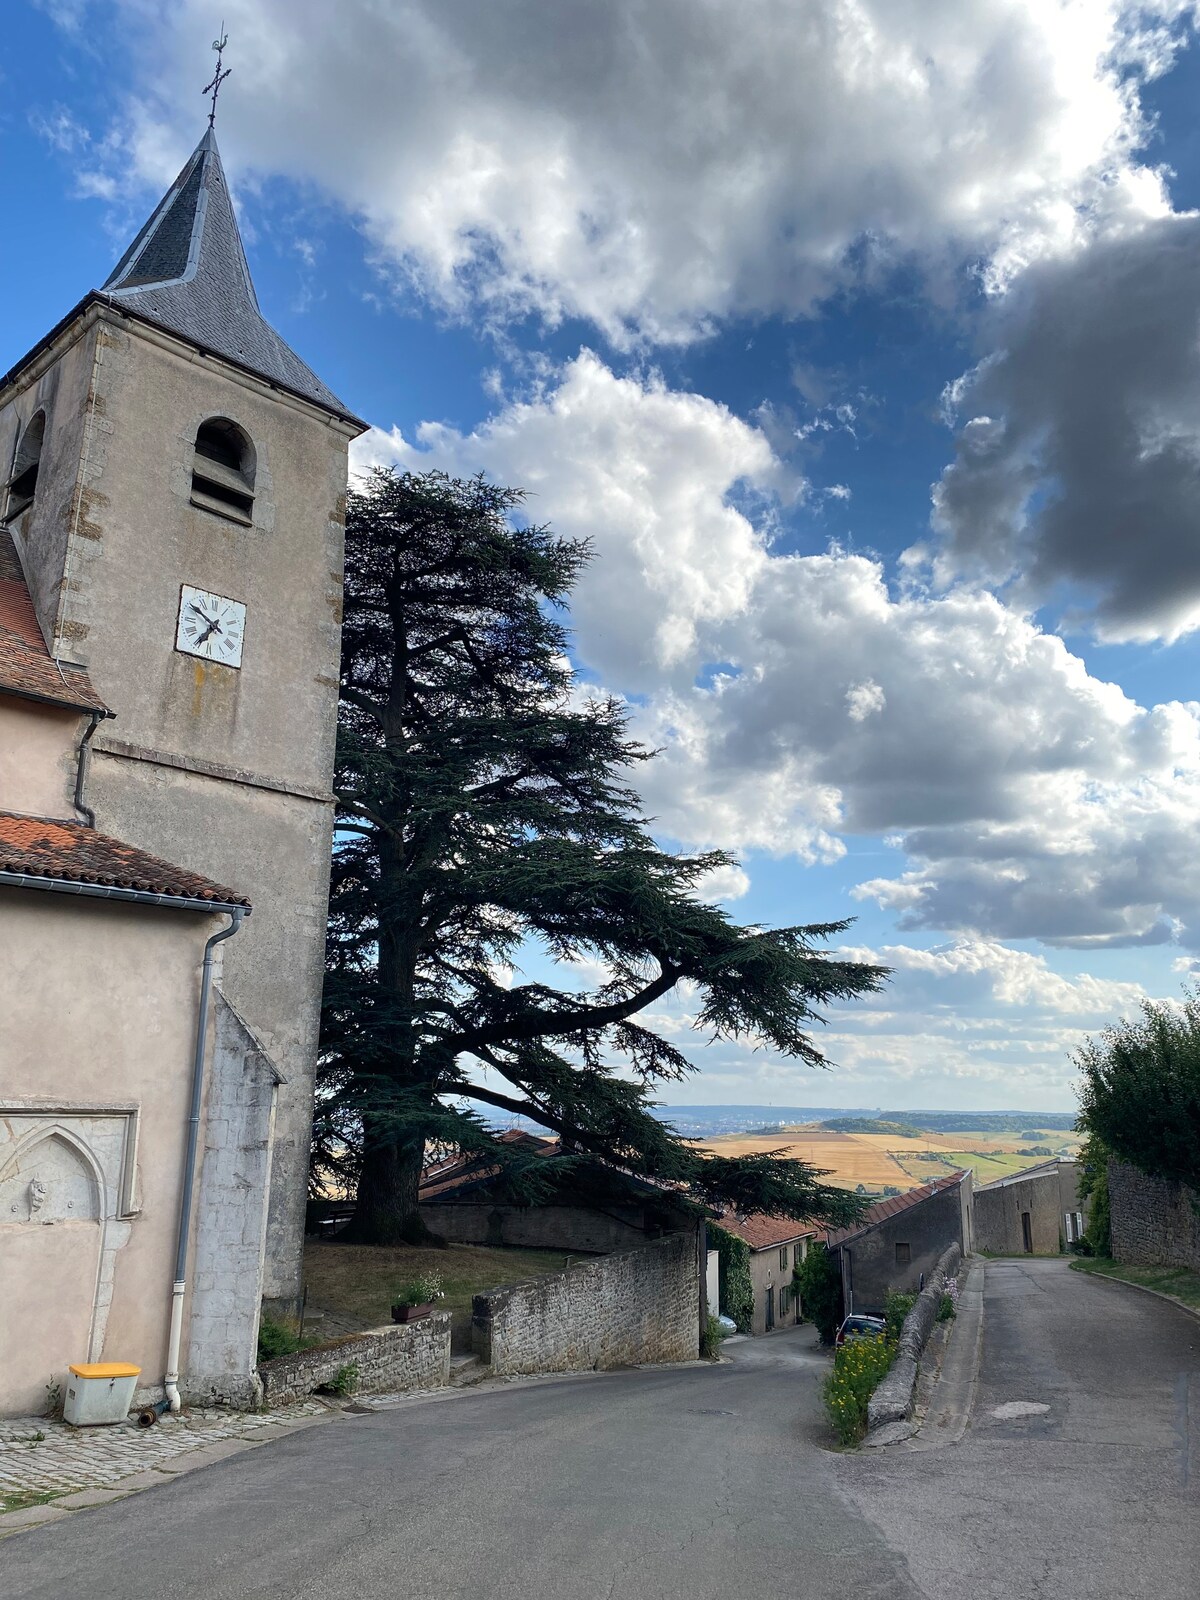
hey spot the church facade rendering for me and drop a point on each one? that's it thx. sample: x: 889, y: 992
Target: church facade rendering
x: 171, y: 524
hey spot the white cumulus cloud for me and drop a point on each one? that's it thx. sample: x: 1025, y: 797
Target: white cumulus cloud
x: 655, y: 167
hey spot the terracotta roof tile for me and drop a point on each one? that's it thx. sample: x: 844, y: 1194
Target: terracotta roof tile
x: 465, y: 1170
x: 26, y: 666
x: 894, y: 1204
x: 40, y: 847
x: 765, y: 1233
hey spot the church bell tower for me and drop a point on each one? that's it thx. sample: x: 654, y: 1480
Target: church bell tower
x: 176, y: 481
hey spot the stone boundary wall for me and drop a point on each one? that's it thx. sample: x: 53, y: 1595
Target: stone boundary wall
x: 893, y: 1399
x: 1155, y: 1221
x: 411, y: 1355
x: 638, y: 1306
x: 535, y: 1227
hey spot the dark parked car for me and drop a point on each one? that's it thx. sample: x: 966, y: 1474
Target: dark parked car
x: 858, y: 1327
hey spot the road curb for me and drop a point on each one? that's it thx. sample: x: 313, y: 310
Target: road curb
x: 1142, y: 1288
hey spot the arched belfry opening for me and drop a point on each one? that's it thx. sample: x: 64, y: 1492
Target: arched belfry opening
x: 22, y: 482
x: 223, y: 470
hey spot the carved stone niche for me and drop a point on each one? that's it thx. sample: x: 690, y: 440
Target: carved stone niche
x: 66, y: 1165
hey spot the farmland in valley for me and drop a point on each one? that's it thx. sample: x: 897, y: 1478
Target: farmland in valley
x: 899, y: 1160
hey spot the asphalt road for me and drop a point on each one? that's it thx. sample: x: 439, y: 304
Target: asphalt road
x: 700, y: 1482
x: 1079, y: 1474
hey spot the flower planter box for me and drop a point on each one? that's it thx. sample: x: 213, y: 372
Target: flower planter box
x: 411, y: 1313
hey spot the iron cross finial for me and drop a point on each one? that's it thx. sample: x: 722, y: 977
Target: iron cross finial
x: 218, y: 77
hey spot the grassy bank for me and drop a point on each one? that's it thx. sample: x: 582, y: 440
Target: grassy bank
x: 1175, y: 1281
x: 361, y: 1280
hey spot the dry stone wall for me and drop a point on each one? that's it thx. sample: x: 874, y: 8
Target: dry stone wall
x: 893, y: 1399
x: 1155, y: 1221
x: 637, y: 1306
x: 412, y: 1355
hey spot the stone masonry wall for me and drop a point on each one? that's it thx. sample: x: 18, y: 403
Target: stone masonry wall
x: 411, y: 1355
x: 535, y: 1227
x: 1155, y: 1221
x: 641, y: 1305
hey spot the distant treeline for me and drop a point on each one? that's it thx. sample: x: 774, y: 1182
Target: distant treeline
x: 901, y: 1123
x: 897, y: 1130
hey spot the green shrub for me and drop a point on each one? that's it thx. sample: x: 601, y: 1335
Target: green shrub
x: 733, y: 1275
x: 1093, y: 1187
x: 819, y: 1283
x: 895, y: 1308
x: 344, y: 1380
x: 276, y: 1339
x: 1140, y: 1091
x: 946, y: 1309
x: 710, y: 1339
x: 858, y: 1368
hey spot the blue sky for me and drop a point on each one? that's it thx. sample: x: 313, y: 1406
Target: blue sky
x: 862, y: 341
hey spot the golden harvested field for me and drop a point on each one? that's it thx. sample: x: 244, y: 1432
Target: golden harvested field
x: 849, y: 1158
x: 877, y: 1160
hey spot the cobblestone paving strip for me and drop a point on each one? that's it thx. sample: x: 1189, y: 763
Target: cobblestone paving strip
x: 38, y: 1456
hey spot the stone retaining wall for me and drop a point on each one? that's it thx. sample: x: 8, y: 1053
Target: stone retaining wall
x: 638, y: 1306
x: 893, y: 1399
x: 412, y: 1355
x: 1155, y: 1221
x: 536, y: 1227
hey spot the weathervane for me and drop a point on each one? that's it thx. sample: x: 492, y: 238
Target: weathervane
x: 218, y: 77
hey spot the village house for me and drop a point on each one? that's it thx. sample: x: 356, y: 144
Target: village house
x: 777, y: 1246
x: 1034, y: 1212
x: 897, y: 1243
x: 171, y: 523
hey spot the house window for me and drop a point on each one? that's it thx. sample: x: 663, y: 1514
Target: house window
x: 22, y: 482
x: 785, y: 1299
x: 903, y: 1255
x: 1074, y: 1226
x: 783, y: 1258
x: 802, y: 1251
x: 223, y: 470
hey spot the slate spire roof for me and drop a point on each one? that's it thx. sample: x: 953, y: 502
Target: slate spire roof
x: 186, y: 271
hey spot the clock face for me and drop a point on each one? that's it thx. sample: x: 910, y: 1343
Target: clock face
x: 211, y: 626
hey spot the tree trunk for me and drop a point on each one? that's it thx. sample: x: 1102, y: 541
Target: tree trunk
x: 387, y: 1211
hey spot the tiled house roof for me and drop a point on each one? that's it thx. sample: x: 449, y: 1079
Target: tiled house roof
x: 894, y: 1205
x: 26, y: 666
x: 766, y: 1233
x: 39, y: 847
x: 468, y: 1169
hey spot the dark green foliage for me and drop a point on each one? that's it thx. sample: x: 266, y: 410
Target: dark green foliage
x: 485, y: 823
x: 735, y: 1288
x: 819, y: 1280
x: 344, y: 1380
x: 946, y: 1309
x: 1140, y: 1091
x: 895, y: 1308
x: 982, y: 1121
x: 276, y: 1339
x: 1093, y: 1186
x: 898, y: 1130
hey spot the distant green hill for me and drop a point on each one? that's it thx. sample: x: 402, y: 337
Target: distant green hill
x: 1022, y: 1122
x: 898, y: 1130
